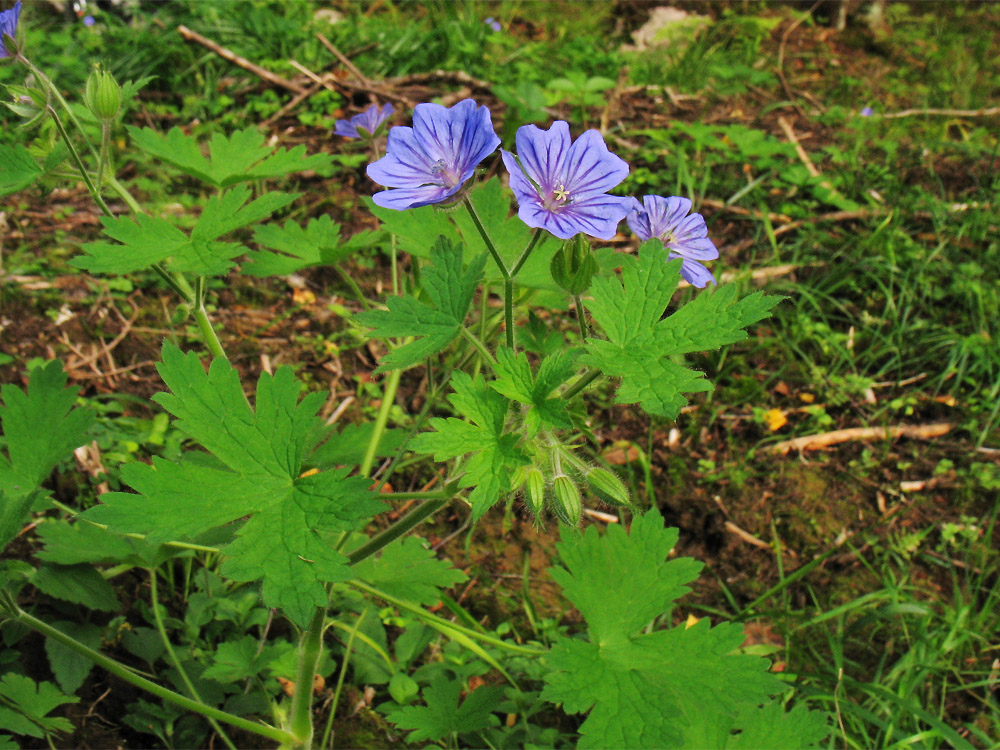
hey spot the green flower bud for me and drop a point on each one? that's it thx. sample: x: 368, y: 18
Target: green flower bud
x: 534, y: 490
x: 103, y: 95
x: 568, y: 506
x: 607, y: 487
x: 573, y: 267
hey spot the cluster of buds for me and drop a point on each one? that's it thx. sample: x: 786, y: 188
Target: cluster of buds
x: 554, y: 485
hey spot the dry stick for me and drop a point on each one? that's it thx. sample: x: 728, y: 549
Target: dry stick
x: 746, y: 536
x: 825, y: 439
x: 344, y: 60
x: 324, y: 82
x: 435, y: 76
x: 267, y: 75
x: 988, y: 112
x: 295, y: 101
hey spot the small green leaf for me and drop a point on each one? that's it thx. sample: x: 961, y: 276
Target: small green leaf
x: 240, y: 157
x: 450, y: 291
x: 495, y: 455
x: 29, y: 703
x: 291, y: 248
x: 409, y: 570
x: 516, y: 381
x: 443, y: 714
x: 80, y: 584
x: 640, y: 345
x: 69, y: 667
x: 18, y: 169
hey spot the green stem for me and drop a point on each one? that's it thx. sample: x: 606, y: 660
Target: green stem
x: 581, y: 317
x: 141, y: 537
x: 486, y: 238
x: 346, y: 278
x: 424, y: 614
x: 441, y: 494
x: 204, y: 322
x: 51, y: 88
x: 125, y: 195
x: 340, y: 681
x: 123, y: 672
x: 480, y: 347
x: 183, y: 290
x: 527, y: 252
x: 582, y: 383
x: 310, y: 646
x: 508, y: 310
x: 94, y: 193
x: 103, y: 162
x: 405, y: 524
x: 155, y: 596
x: 388, y: 398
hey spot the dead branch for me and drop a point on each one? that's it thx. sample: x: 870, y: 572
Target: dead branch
x: 853, y: 434
x: 226, y: 54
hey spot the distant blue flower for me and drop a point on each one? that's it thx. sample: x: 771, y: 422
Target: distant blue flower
x: 493, y: 23
x: 369, y: 121
x: 430, y: 162
x: 867, y: 112
x: 8, y: 26
x: 684, y: 236
x: 88, y: 21
x: 562, y: 187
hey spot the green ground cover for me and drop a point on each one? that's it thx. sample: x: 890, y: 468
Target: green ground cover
x: 866, y: 570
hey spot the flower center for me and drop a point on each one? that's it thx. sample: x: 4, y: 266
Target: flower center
x: 449, y: 178
x: 557, y: 199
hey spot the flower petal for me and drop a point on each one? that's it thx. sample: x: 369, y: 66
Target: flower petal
x: 598, y: 217
x: 413, y: 197
x: 591, y: 169
x: 346, y: 129
x: 460, y: 136
x: 695, y: 273
x: 696, y: 249
x: 543, y: 153
x: 524, y: 191
x: 405, y: 164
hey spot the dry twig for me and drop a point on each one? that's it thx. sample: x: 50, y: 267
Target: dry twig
x: 226, y: 54
x: 826, y: 439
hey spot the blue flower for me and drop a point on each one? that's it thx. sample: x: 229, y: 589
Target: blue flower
x: 493, y: 23
x: 88, y: 21
x: 369, y: 121
x: 562, y: 187
x: 684, y: 236
x: 8, y: 26
x: 867, y: 112
x: 430, y: 162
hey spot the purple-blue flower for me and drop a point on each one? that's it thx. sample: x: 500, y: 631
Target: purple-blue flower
x: 8, y: 26
x: 88, y: 21
x: 429, y: 162
x: 369, y: 121
x: 493, y: 23
x: 867, y: 112
x: 561, y: 186
x: 684, y: 236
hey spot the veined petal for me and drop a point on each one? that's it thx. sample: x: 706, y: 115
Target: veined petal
x: 413, y: 197
x: 697, y: 249
x: 598, y: 217
x: 591, y: 169
x: 458, y: 137
x: 524, y: 191
x: 691, y: 227
x: 405, y: 164
x: 695, y: 273
x: 345, y: 129
x: 543, y: 153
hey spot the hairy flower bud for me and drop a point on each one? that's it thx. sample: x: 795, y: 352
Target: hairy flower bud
x: 568, y: 506
x: 534, y: 490
x: 573, y: 266
x: 103, y: 95
x: 607, y: 487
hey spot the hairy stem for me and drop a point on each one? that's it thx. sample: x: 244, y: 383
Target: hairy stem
x: 155, y: 596
x: 310, y: 647
x: 527, y: 253
x: 405, y: 524
x: 582, y: 383
x: 480, y: 347
x: 91, y: 187
x: 205, y: 323
x: 581, y: 317
x: 340, y: 681
x: 508, y: 310
x: 123, y: 672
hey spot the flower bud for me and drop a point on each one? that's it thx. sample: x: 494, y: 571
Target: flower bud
x: 568, y: 506
x: 103, y: 95
x: 534, y: 490
x: 573, y: 267
x: 607, y: 487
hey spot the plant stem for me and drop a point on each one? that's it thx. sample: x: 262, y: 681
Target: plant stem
x: 388, y: 398
x: 424, y: 614
x: 480, y: 347
x: 441, y: 494
x: 125, y: 195
x: 120, y: 670
x: 91, y: 187
x: 582, y: 383
x: 340, y: 681
x: 155, y: 597
x: 405, y: 524
x: 508, y: 310
x: 51, y: 88
x: 486, y: 238
x: 581, y: 317
x: 527, y: 252
x: 204, y: 322
x: 310, y: 646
